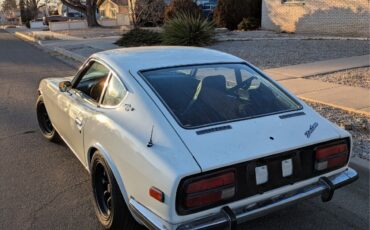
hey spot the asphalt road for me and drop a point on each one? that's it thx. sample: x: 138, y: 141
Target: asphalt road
x: 43, y: 186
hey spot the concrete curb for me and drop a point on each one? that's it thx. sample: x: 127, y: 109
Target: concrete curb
x: 65, y: 36
x: 335, y: 71
x: 61, y: 51
x: 291, y: 38
x: 68, y: 54
x: 337, y: 106
x: 26, y: 37
x: 363, y: 163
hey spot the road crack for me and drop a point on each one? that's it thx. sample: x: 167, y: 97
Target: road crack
x: 18, y: 134
x: 55, y: 197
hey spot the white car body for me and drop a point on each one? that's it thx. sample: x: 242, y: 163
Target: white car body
x: 121, y: 133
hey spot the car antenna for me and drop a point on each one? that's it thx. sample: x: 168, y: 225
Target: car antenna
x: 150, y: 143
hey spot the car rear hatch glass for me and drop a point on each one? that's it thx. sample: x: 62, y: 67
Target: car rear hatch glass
x: 202, y: 95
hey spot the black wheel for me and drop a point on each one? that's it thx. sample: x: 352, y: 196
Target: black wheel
x: 110, y: 207
x: 44, y: 121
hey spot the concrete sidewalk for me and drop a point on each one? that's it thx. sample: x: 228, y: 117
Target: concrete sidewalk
x: 320, y: 67
x: 80, y: 50
x: 353, y: 99
x: 77, y: 48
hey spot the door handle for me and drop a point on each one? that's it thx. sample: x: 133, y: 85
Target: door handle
x: 79, y: 123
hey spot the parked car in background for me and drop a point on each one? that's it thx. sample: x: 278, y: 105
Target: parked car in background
x: 190, y: 138
x: 75, y: 15
x: 61, y: 18
x: 208, y: 9
x: 54, y: 18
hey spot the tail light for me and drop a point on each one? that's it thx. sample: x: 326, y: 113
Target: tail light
x: 204, y: 191
x: 332, y: 156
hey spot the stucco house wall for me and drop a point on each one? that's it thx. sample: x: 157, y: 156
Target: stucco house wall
x: 110, y: 8
x: 329, y: 17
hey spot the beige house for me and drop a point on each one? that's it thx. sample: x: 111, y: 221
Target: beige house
x: 113, y: 12
x: 328, y: 17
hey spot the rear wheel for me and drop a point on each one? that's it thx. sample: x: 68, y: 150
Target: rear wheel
x: 110, y: 207
x: 44, y: 121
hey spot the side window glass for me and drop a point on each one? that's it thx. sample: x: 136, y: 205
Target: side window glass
x: 114, y: 93
x: 93, y: 80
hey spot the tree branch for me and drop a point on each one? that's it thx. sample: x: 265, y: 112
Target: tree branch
x: 75, y: 5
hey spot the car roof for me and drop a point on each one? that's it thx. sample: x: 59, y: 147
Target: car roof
x: 143, y: 58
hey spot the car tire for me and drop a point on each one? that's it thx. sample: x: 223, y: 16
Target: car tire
x: 45, y: 125
x: 110, y: 207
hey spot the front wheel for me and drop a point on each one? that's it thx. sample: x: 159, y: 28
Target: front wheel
x: 110, y: 207
x: 46, y: 127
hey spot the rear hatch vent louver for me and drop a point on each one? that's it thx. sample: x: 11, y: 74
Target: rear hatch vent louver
x: 215, y: 129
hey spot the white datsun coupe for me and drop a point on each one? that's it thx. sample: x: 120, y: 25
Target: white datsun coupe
x: 190, y: 138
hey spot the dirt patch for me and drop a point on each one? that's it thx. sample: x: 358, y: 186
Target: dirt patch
x: 358, y: 125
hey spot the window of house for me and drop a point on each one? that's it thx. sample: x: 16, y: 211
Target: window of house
x: 294, y: 1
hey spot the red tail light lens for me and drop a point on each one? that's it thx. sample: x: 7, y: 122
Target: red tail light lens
x: 210, y: 190
x: 211, y: 183
x: 209, y: 198
x: 331, y: 156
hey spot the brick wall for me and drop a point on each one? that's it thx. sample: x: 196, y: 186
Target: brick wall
x: 327, y: 17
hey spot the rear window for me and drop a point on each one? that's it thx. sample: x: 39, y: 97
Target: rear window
x: 208, y: 94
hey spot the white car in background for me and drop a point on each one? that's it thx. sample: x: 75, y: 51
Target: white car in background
x: 190, y: 138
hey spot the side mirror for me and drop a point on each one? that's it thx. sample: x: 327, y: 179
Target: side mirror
x: 65, y: 86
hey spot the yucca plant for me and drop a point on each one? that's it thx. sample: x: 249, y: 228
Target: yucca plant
x: 188, y: 30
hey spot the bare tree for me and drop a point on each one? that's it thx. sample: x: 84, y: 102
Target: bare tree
x: 29, y: 9
x: 9, y: 7
x: 88, y: 9
x: 33, y: 7
x: 146, y: 12
x: 132, y: 13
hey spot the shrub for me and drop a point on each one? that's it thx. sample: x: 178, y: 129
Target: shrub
x: 229, y: 13
x: 139, y: 37
x: 149, y: 12
x: 182, y: 7
x: 189, y: 30
x: 248, y: 24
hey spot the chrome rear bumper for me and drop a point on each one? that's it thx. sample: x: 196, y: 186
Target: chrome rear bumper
x: 229, y: 219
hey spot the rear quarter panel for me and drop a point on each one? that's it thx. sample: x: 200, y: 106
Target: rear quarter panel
x: 123, y: 136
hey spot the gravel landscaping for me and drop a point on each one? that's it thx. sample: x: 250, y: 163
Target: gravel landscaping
x: 277, y: 53
x: 357, y: 125
x: 359, y: 77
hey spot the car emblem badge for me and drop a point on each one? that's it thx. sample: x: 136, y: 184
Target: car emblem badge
x: 311, y: 129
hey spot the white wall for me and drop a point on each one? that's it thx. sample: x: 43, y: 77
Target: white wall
x: 68, y: 25
x: 37, y: 25
x: 122, y: 20
x: 332, y: 17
